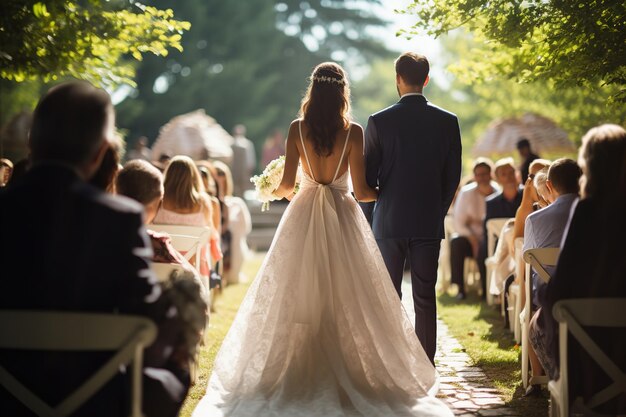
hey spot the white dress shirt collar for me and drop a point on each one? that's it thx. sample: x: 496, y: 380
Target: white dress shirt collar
x: 410, y: 94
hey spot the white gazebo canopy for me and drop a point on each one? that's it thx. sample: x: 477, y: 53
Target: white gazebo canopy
x: 196, y: 135
x: 502, y: 135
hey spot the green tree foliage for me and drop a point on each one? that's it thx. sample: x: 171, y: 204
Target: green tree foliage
x: 87, y: 39
x: 245, y: 62
x: 569, y: 42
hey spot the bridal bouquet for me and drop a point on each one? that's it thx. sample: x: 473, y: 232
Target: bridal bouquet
x: 269, y: 181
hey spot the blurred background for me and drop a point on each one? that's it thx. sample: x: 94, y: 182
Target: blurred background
x: 247, y: 62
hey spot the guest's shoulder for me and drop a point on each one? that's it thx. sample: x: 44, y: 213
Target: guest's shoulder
x: 494, y: 197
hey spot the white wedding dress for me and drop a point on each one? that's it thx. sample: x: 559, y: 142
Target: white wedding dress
x: 321, y: 331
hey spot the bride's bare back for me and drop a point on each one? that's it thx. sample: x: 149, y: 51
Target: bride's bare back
x: 325, y: 167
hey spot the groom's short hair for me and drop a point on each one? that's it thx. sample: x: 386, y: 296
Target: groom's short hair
x: 413, y: 68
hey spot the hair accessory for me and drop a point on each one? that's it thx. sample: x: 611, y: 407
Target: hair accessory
x: 325, y: 79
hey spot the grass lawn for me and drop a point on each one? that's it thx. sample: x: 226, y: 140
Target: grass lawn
x: 226, y: 309
x: 480, y: 330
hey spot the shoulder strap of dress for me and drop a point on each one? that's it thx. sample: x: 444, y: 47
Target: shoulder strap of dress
x: 343, y: 152
x: 306, y: 156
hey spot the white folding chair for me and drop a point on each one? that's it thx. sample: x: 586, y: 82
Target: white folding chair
x: 515, y: 298
x: 127, y: 336
x: 189, y: 240
x: 573, y: 315
x: 164, y: 270
x: 494, y: 227
x: 538, y: 259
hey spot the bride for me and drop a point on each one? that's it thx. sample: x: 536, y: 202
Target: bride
x: 322, y: 331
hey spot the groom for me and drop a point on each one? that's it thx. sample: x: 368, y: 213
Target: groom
x: 413, y: 155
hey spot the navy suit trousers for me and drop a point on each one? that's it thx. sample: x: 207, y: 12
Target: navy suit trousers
x: 423, y: 257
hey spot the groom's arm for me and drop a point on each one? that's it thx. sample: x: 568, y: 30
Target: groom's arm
x: 372, y: 164
x: 452, y: 167
x: 373, y: 153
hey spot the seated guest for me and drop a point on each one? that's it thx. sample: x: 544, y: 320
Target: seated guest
x: 541, y: 178
x: 545, y: 227
x: 530, y: 197
x: 143, y: 182
x: 238, y: 226
x: 500, y: 205
x: 592, y: 265
x: 185, y: 203
x: 86, y: 251
x: 104, y: 178
x: 468, y: 215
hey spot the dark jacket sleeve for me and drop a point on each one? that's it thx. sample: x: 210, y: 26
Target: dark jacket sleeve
x: 452, y: 168
x: 373, y: 153
x: 373, y: 157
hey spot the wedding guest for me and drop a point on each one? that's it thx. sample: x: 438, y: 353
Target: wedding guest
x: 530, y: 197
x: 185, y: 203
x: 87, y: 251
x: 527, y: 155
x: 104, y: 178
x: 541, y: 178
x: 273, y: 147
x: 140, y: 150
x: 244, y: 160
x: 468, y: 215
x: 210, y: 186
x: 501, y: 205
x: 6, y: 168
x: 239, y: 226
x: 544, y: 229
x: 143, y: 182
x: 591, y: 265
x: 205, y: 167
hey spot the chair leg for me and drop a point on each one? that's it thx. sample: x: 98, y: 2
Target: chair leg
x: 554, y: 407
x: 525, y: 357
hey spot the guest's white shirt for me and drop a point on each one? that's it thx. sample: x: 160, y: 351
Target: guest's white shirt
x: 469, y: 211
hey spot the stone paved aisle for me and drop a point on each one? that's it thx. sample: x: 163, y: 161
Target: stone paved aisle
x: 465, y: 388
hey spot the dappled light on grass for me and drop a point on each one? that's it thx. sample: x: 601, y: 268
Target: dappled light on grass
x: 480, y: 330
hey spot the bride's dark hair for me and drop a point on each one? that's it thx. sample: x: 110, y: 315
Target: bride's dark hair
x: 326, y: 106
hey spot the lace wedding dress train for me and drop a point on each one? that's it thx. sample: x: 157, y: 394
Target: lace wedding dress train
x: 321, y: 331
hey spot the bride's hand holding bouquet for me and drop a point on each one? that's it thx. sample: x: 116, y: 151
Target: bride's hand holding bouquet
x: 266, y: 185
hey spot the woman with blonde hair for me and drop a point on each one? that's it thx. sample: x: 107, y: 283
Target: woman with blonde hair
x: 237, y: 226
x: 185, y: 202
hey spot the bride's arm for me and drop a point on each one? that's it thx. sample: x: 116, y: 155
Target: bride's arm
x: 362, y: 191
x: 292, y: 157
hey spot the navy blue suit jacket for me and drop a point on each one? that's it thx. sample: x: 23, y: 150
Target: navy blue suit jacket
x: 413, y: 154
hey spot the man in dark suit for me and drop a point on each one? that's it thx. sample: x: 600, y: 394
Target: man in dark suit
x: 67, y: 246
x: 413, y: 155
x: 499, y: 205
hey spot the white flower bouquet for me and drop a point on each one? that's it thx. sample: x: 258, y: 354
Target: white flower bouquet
x: 268, y: 181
